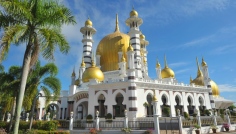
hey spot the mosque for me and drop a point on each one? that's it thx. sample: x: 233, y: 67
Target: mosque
x: 119, y: 80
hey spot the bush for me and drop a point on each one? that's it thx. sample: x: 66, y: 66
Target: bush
x: 109, y: 117
x: 24, y: 125
x: 207, y: 112
x: 186, y: 115
x: 194, y: 114
x: 46, y: 132
x: 50, y: 125
x: 166, y: 110
x: 197, y: 126
x: 89, y: 119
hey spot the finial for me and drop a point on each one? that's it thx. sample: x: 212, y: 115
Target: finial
x: 130, y: 48
x: 93, y: 63
x: 133, y: 7
x: 191, y: 80
x: 82, y: 63
x: 166, y: 66
x: 73, y: 73
x: 199, y: 73
x: 154, y: 98
x: 123, y: 57
x: 88, y: 17
x: 203, y: 63
x: 158, y: 64
x: 117, y: 24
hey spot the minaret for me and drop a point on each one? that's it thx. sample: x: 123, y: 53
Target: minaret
x: 73, y: 77
x: 122, y: 67
x: 205, y: 72
x: 131, y: 90
x: 191, y: 80
x: 134, y: 22
x: 158, y: 70
x: 144, y: 43
x: 81, y: 70
x: 88, y: 31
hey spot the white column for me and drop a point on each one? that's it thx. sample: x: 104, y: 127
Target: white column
x: 172, y: 104
x: 180, y: 122
x: 71, y: 121
x: 27, y: 117
x: 40, y: 113
x: 196, y: 101
x: 126, y: 120
x: 97, y: 120
x: 185, y: 102
x: 156, y: 118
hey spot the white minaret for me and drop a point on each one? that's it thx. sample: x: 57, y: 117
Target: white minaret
x: 73, y: 77
x: 158, y: 70
x: 122, y: 67
x: 81, y: 70
x: 144, y: 52
x: 205, y: 72
x: 88, y: 31
x: 134, y: 22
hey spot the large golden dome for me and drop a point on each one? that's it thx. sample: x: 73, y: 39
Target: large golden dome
x: 109, y: 47
x: 167, y: 72
x: 92, y: 72
x: 215, y: 89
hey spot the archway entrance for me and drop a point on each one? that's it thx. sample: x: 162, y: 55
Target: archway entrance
x: 201, y: 107
x: 165, y: 109
x: 53, y: 111
x: 82, y: 110
x: 119, y: 108
x: 101, y: 107
x: 149, y: 106
x: 190, y: 106
x: 178, y: 105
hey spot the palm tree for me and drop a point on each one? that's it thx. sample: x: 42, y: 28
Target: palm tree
x: 38, y: 24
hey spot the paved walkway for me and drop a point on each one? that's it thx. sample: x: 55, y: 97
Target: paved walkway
x: 229, y: 132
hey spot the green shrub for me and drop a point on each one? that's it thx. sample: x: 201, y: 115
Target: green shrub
x: 109, y: 117
x: 166, y: 110
x: 194, y: 114
x: 89, y: 119
x: 46, y: 132
x: 207, y: 112
x: 186, y: 115
x: 50, y: 125
x: 24, y: 125
x: 4, y: 124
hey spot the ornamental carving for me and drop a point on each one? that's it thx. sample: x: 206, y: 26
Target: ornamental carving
x: 81, y: 96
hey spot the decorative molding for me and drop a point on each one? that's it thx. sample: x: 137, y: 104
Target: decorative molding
x: 133, y: 109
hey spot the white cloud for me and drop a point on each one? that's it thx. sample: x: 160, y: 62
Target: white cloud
x: 181, y: 71
x: 224, y: 49
x: 178, y: 64
x: 227, y: 88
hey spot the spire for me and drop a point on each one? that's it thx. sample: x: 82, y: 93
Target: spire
x: 199, y: 72
x: 82, y: 63
x: 166, y: 66
x: 73, y: 73
x: 123, y: 57
x: 158, y: 65
x: 92, y: 61
x: 117, y: 24
x: 203, y: 63
x: 130, y: 48
x: 191, y: 80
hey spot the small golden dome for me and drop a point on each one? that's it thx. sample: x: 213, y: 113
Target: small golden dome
x: 133, y: 13
x: 154, y: 98
x: 73, y: 73
x: 88, y: 22
x: 92, y: 72
x: 203, y: 63
x: 142, y: 37
x: 199, y: 79
x: 167, y: 72
x: 123, y: 59
x: 158, y: 65
x: 77, y: 82
x: 82, y: 63
x: 130, y: 48
x: 144, y: 61
x: 215, y: 89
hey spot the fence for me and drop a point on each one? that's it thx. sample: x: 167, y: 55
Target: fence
x: 114, y: 125
x: 233, y: 119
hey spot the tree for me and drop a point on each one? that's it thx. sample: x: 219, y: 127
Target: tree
x: 38, y: 24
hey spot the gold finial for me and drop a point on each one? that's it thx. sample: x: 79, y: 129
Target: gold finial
x: 130, y: 48
x: 154, y: 98
x: 191, y: 80
x: 123, y: 58
x: 73, y: 73
x: 199, y: 72
x: 82, y: 63
x: 166, y: 66
x: 117, y: 24
x: 203, y: 63
x: 158, y: 65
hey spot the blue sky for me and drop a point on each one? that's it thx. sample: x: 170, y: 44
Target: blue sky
x: 181, y: 29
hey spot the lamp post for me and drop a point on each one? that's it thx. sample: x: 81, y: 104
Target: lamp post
x: 126, y: 119
x: 156, y: 118
x: 97, y: 120
x: 71, y: 120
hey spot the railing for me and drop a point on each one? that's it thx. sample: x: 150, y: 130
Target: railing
x: 144, y: 125
x: 79, y: 124
x: 233, y: 119
x: 220, y: 121
x: 207, y: 121
x: 111, y: 125
x: 63, y: 123
x: 189, y: 123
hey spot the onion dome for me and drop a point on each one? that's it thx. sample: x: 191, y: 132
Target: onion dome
x: 167, y: 72
x: 203, y: 63
x: 88, y: 22
x: 142, y: 36
x: 92, y: 72
x: 133, y: 13
x: 144, y: 61
x: 130, y: 48
x: 123, y: 58
x: 199, y: 79
x: 154, y: 98
x: 109, y: 46
x: 73, y: 73
x: 82, y: 63
x: 158, y: 65
x: 215, y: 89
x: 77, y: 82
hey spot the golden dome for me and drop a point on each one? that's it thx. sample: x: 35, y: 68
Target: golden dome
x: 142, y: 37
x: 130, y: 48
x: 109, y: 47
x: 167, y: 72
x: 77, y: 82
x: 203, y: 63
x: 82, y: 63
x: 133, y: 13
x: 123, y: 58
x: 92, y: 72
x: 199, y: 79
x: 215, y: 89
x: 158, y: 65
x: 154, y: 98
x: 88, y: 22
